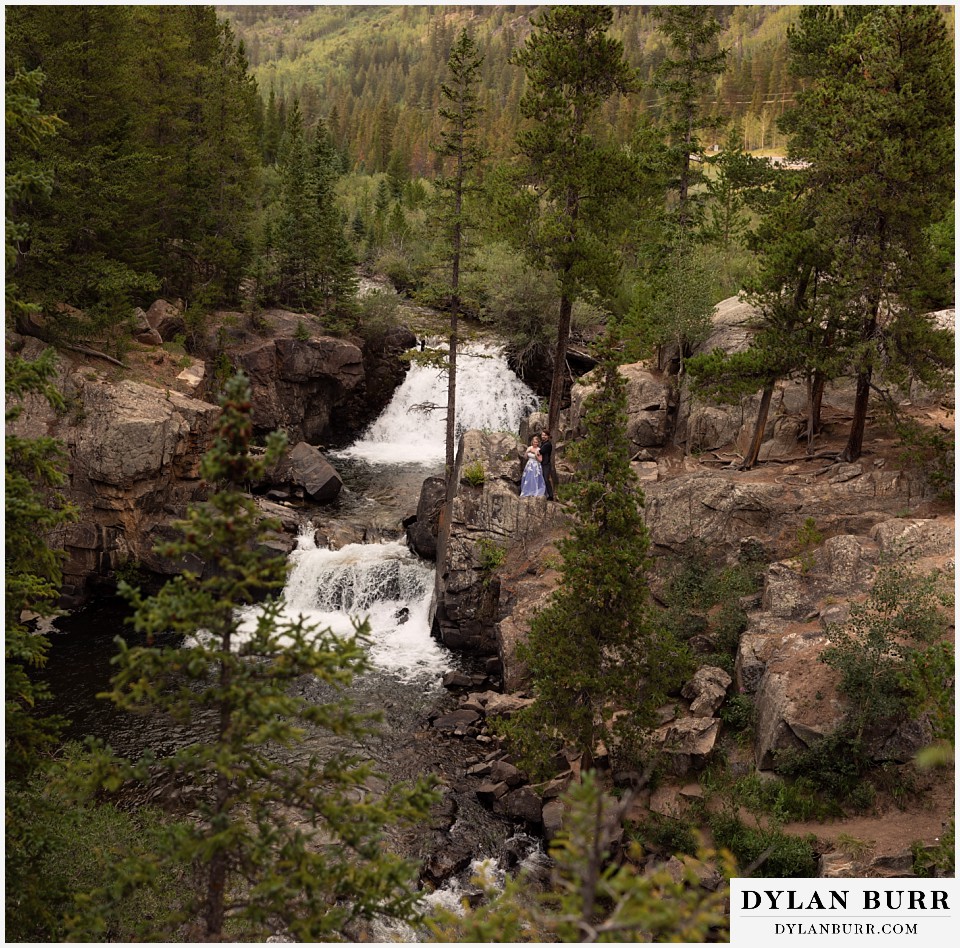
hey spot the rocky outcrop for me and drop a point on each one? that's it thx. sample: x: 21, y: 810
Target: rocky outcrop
x: 484, y: 519
x: 298, y: 383
x: 719, y: 509
x: 134, y: 449
x: 133, y: 463
x: 650, y: 404
x: 778, y: 659
x: 734, y: 323
x: 166, y: 319
x: 706, y: 691
x: 317, y: 387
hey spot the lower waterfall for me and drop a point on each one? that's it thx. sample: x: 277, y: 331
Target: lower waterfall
x: 383, y: 583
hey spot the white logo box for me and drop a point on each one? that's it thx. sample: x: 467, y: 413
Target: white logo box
x: 766, y: 912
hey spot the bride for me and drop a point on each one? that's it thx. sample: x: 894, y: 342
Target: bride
x: 532, y: 483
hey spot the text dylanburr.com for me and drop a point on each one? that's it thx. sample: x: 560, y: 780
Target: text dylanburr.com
x: 868, y: 911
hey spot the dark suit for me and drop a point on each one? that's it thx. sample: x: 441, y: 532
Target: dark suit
x: 546, y: 452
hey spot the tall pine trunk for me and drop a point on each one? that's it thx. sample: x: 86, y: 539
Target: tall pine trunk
x: 559, y: 366
x: 751, y: 459
x: 858, y: 426
x: 563, y: 328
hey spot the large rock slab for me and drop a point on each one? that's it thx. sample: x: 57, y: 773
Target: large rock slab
x: 134, y: 456
x: 422, y: 532
x: 734, y: 324
x: 311, y: 387
x: 309, y: 470
x: 476, y: 531
x: 130, y: 433
x: 796, y: 701
x: 650, y: 399
x: 718, y: 509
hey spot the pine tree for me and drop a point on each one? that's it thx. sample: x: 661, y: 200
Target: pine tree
x: 278, y: 837
x: 333, y: 256
x: 293, y: 235
x: 33, y: 466
x: 458, y: 141
x: 692, y: 32
x: 877, y: 125
x: 595, y: 650
x: 572, y: 68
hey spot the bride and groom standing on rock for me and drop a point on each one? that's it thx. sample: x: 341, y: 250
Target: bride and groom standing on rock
x: 537, y: 480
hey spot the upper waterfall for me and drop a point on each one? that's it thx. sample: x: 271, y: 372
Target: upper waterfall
x: 412, y: 428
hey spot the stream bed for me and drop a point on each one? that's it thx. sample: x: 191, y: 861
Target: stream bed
x: 334, y: 578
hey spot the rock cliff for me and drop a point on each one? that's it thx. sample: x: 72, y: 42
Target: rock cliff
x: 134, y: 437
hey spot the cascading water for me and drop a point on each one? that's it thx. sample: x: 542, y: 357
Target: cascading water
x: 383, y: 583
x: 412, y: 428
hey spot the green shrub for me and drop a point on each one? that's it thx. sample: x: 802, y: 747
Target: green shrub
x: 808, y: 537
x: 667, y: 835
x: 890, y: 654
x: 702, y: 598
x: 739, y: 713
x: 785, y: 801
x: 784, y: 857
x: 377, y: 313
x: 301, y: 333
x: 837, y: 766
x: 491, y: 556
x: 938, y: 861
x: 474, y: 474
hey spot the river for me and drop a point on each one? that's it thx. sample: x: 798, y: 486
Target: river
x: 329, y: 582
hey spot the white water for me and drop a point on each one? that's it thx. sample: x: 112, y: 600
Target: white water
x: 483, y: 873
x: 385, y: 583
x: 412, y: 428
x: 381, y: 582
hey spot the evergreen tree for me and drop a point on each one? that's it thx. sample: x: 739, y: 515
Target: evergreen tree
x: 877, y: 125
x: 594, y: 650
x: 795, y: 332
x: 692, y: 32
x: 290, y: 280
x: 154, y: 167
x: 275, y: 842
x: 458, y: 142
x: 90, y: 237
x: 271, y: 129
x: 334, y: 258
x: 33, y: 466
x: 572, y: 68
x: 33, y: 508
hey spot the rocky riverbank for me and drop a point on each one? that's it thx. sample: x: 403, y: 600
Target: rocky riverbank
x: 496, y: 567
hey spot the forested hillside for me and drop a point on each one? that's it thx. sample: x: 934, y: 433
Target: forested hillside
x: 374, y: 71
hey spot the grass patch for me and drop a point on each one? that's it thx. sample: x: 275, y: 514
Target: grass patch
x: 773, y: 854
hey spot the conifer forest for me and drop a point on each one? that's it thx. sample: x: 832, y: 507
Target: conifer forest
x: 301, y: 301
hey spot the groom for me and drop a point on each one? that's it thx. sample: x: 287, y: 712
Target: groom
x: 546, y: 452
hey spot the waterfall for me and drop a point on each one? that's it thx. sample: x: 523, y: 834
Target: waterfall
x: 412, y: 428
x: 381, y: 582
